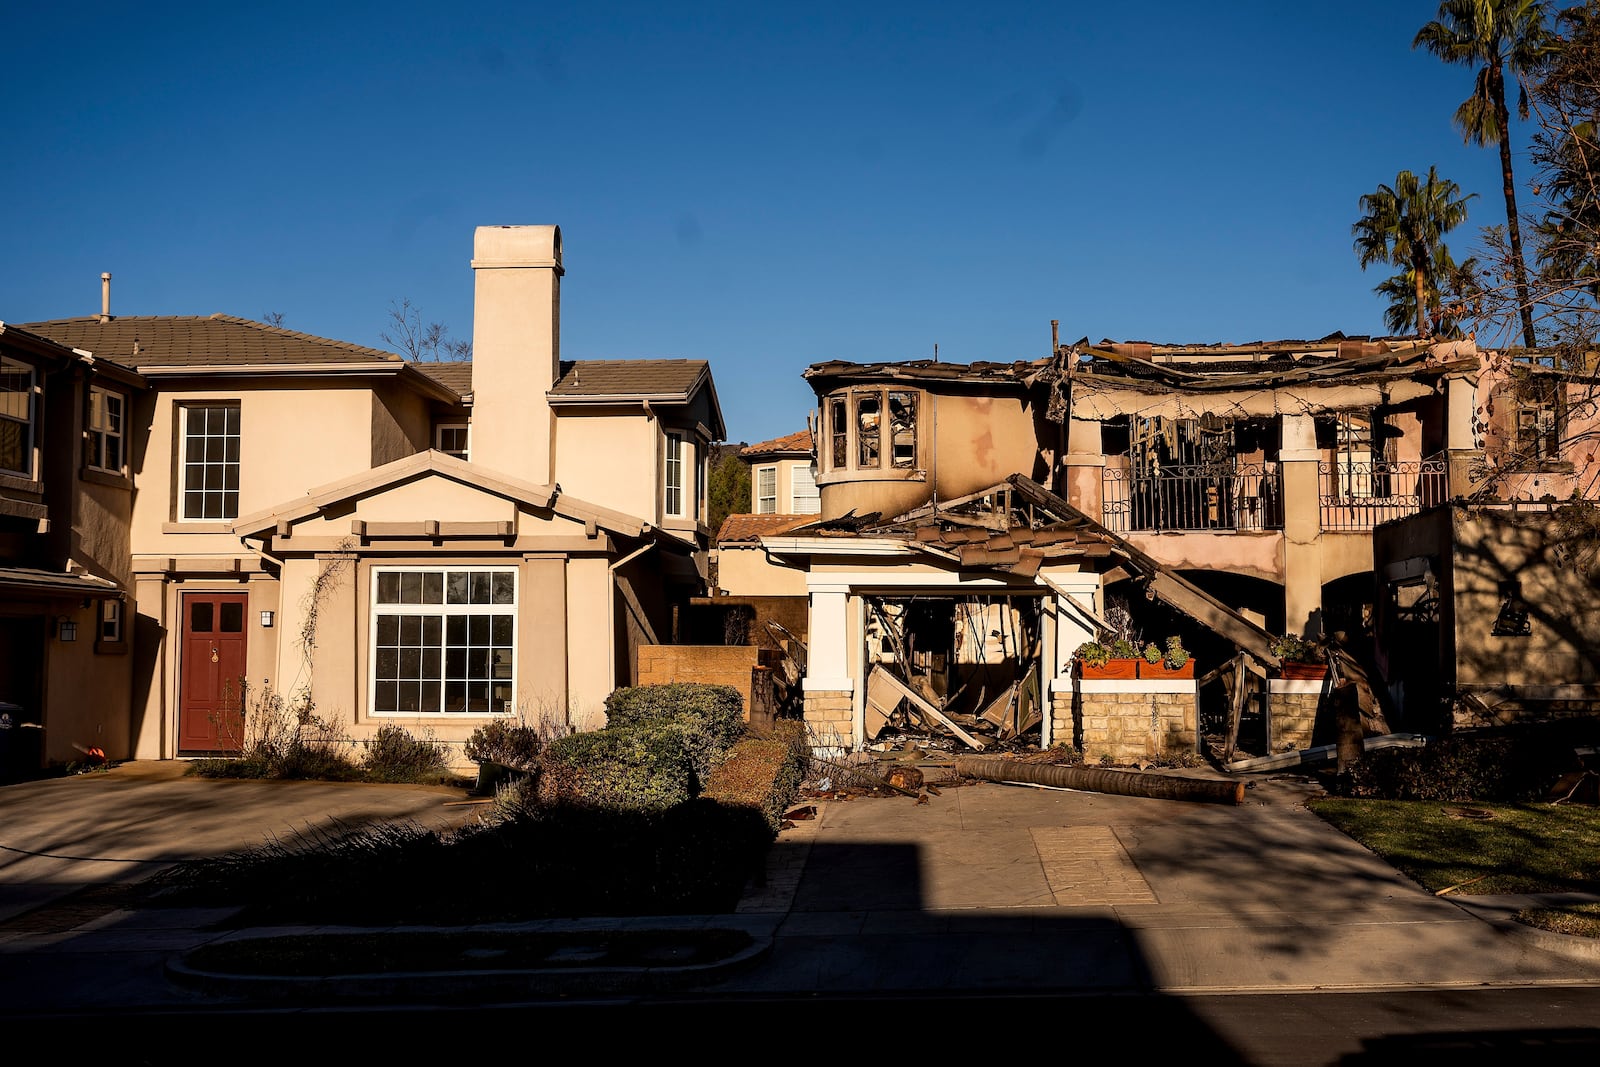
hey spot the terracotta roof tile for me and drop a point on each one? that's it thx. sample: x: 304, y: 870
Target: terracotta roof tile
x: 745, y: 528
x: 200, y: 341
x: 798, y: 442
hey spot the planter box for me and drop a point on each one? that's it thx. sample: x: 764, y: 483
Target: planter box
x: 1161, y: 670
x: 1306, y: 671
x: 1117, y: 668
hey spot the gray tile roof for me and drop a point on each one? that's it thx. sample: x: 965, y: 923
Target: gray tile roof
x: 199, y: 341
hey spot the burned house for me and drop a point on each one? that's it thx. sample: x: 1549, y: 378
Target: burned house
x: 979, y: 523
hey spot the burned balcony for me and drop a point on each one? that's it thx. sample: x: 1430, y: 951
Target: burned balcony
x: 1193, y: 497
x: 1359, y: 496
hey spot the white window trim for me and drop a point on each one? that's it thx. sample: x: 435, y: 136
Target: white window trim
x: 117, y: 611
x: 375, y: 610
x: 669, y: 484
x: 97, y: 435
x: 438, y: 437
x: 182, y: 414
x: 761, y: 497
x: 29, y: 422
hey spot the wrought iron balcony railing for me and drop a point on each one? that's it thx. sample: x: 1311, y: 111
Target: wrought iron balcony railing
x: 1196, y: 497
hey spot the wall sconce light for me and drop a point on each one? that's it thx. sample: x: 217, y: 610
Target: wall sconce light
x: 66, y: 629
x: 266, y: 618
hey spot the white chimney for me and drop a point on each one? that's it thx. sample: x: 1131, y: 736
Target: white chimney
x: 105, y: 297
x: 516, y: 347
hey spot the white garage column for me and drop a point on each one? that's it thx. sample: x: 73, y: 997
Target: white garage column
x: 1069, y: 622
x: 829, y: 689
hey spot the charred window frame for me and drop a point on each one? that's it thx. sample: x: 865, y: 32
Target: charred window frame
x: 883, y: 423
x: 1541, y: 419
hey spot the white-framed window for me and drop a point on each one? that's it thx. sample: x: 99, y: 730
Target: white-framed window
x: 444, y: 640
x: 453, y: 439
x: 766, y: 490
x: 110, y: 622
x: 807, y: 501
x: 104, y: 434
x: 209, y: 481
x: 673, y: 481
x: 16, y: 417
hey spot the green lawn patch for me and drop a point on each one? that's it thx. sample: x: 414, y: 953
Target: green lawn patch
x: 1482, y: 848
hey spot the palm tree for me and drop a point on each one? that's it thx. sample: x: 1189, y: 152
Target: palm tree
x: 1405, y: 225
x: 1494, y: 35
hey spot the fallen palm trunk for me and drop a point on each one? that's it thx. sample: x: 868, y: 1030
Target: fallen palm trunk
x: 1098, y: 780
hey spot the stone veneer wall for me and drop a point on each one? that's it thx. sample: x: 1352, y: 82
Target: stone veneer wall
x: 1292, y: 705
x: 830, y: 719
x: 1129, y: 720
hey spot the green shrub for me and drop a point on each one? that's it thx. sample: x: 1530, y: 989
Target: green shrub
x: 708, y: 719
x: 504, y: 741
x: 394, y: 755
x: 1122, y: 648
x: 1094, y: 654
x: 618, y: 768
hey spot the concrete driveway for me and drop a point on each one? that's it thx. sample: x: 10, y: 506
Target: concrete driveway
x: 122, y: 825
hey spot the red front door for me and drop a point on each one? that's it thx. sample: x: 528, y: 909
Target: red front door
x: 211, y: 691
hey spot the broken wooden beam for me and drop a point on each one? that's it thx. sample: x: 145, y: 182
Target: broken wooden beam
x: 928, y: 710
x: 1101, y: 780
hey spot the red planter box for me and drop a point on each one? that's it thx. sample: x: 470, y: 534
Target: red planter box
x: 1160, y: 670
x: 1124, y: 669
x: 1304, y: 671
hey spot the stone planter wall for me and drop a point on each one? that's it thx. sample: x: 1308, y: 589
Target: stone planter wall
x: 1129, y: 720
x: 1292, y: 705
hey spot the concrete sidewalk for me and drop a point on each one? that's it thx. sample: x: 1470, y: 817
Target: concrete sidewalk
x: 986, y: 888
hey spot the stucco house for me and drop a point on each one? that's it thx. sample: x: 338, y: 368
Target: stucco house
x: 65, y: 570
x: 424, y: 544
x: 979, y: 522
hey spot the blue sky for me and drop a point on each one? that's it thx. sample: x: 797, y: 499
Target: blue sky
x: 763, y: 186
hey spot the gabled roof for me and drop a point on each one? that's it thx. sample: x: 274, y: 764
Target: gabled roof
x: 421, y: 464
x: 752, y: 528
x: 797, y: 443
x: 201, y: 341
x: 633, y: 379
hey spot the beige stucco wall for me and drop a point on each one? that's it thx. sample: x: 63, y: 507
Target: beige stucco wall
x: 1255, y: 553
x: 965, y: 443
x: 85, y: 690
x: 612, y: 458
x: 747, y: 570
x: 402, y: 424
x: 290, y: 440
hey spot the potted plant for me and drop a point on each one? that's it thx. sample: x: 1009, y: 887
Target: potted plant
x: 1173, y: 662
x: 1097, y: 660
x: 1301, y: 658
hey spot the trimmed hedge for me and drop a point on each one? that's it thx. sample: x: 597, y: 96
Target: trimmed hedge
x: 761, y: 774
x: 620, y: 768
x: 707, y: 719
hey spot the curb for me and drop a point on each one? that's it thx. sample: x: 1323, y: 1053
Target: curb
x: 455, y: 985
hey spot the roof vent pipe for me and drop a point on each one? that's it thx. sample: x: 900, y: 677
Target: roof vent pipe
x: 105, y: 297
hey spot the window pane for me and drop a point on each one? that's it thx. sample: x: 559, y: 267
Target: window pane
x: 478, y: 629
x: 505, y: 583
x: 200, y: 616
x: 502, y: 631
x: 456, y: 587
x: 196, y: 419
x: 481, y: 587
x: 388, y: 662
x: 840, y: 425
x: 410, y: 588
x: 430, y: 630
x: 232, y: 618
x: 433, y: 588
x: 903, y: 429
x: 388, y: 630
x: 868, y: 418
x: 388, y: 588
x: 387, y: 699
x: 455, y: 630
